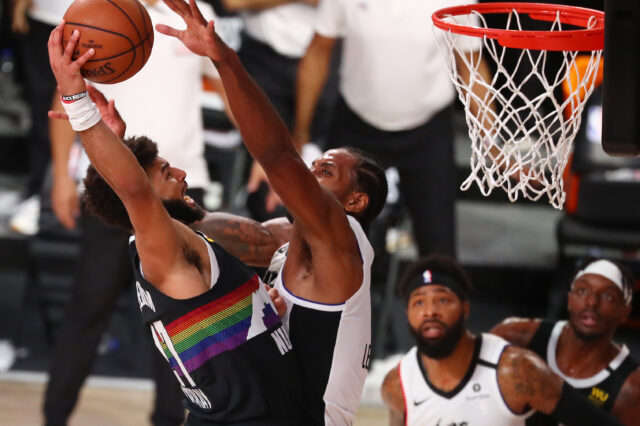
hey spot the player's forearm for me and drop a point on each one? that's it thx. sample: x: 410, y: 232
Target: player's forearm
x: 114, y: 161
x: 263, y: 131
x: 250, y: 241
x: 62, y: 136
x: 313, y: 71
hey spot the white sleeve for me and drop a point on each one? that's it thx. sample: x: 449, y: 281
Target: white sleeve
x: 331, y: 18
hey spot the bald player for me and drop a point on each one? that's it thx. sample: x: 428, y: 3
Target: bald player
x: 581, y: 350
x: 453, y: 377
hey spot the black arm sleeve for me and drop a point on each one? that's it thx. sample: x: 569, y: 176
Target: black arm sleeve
x: 575, y: 409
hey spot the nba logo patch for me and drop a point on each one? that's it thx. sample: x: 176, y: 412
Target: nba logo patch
x: 426, y: 276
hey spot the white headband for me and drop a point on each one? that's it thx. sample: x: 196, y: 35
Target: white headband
x: 610, y: 271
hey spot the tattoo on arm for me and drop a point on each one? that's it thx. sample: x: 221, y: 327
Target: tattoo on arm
x: 527, y: 382
x: 250, y: 241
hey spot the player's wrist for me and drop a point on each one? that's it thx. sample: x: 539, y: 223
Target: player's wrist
x: 82, y: 112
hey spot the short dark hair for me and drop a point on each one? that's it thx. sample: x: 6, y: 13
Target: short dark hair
x: 372, y: 180
x: 100, y: 200
x: 443, y: 264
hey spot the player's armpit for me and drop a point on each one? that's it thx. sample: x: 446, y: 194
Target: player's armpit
x: 393, y: 397
x: 627, y: 405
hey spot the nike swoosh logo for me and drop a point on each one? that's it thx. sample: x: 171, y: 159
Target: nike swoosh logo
x: 416, y: 403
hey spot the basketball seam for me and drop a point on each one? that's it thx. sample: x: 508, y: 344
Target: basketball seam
x: 133, y: 60
x: 128, y: 18
x: 131, y: 49
x: 144, y: 24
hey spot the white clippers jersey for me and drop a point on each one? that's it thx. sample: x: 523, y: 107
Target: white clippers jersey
x: 333, y: 344
x: 476, y: 401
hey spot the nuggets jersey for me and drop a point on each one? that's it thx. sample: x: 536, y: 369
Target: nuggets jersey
x: 227, y: 347
x: 475, y: 401
x: 333, y: 344
x: 601, y: 389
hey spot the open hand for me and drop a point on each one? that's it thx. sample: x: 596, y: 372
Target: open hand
x: 65, y: 69
x: 200, y: 36
x: 278, y: 301
x: 110, y: 115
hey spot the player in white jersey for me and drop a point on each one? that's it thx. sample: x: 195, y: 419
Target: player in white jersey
x: 328, y: 256
x: 454, y: 378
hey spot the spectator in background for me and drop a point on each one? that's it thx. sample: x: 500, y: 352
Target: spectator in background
x: 276, y: 35
x: 395, y: 102
x: 581, y: 350
x: 34, y: 20
x: 170, y: 114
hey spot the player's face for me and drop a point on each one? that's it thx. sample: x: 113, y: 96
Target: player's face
x: 436, y: 319
x: 170, y: 186
x: 334, y: 171
x: 596, y: 307
x: 168, y: 182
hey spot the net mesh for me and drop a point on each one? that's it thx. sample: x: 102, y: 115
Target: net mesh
x: 521, y: 134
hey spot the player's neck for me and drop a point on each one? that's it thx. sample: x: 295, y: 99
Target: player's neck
x: 579, y: 358
x: 446, y: 373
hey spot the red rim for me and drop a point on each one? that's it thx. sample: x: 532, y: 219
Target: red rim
x: 576, y: 40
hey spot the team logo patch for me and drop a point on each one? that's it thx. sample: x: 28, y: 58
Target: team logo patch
x: 598, y: 396
x: 426, y: 277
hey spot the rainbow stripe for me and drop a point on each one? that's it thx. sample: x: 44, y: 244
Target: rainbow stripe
x: 212, y: 329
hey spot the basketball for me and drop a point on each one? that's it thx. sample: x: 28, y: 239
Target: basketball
x: 120, y: 31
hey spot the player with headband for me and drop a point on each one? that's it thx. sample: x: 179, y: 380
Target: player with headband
x: 581, y: 350
x: 453, y: 377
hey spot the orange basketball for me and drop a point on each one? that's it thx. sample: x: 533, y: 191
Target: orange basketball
x: 120, y: 31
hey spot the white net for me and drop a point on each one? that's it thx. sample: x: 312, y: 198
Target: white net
x: 521, y: 134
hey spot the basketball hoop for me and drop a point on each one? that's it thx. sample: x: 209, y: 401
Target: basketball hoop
x: 521, y: 136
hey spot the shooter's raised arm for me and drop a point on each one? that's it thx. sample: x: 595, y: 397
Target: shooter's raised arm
x: 319, y: 214
x: 158, y: 238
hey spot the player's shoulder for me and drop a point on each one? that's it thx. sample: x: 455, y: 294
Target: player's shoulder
x: 391, y: 390
x: 519, y: 362
x: 626, y: 407
x: 517, y: 330
x: 631, y: 386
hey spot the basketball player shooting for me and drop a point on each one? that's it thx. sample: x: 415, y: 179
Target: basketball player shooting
x: 208, y: 313
x: 326, y: 276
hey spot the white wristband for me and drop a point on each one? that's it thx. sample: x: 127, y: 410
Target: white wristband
x: 83, y: 114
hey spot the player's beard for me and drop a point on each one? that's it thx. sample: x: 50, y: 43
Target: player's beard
x: 180, y: 210
x: 443, y: 346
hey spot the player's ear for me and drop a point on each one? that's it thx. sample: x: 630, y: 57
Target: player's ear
x: 465, y: 309
x: 357, y: 202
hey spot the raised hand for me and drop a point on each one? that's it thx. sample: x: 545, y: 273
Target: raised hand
x: 110, y: 115
x: 200, y: 36
x: 65, y: 69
